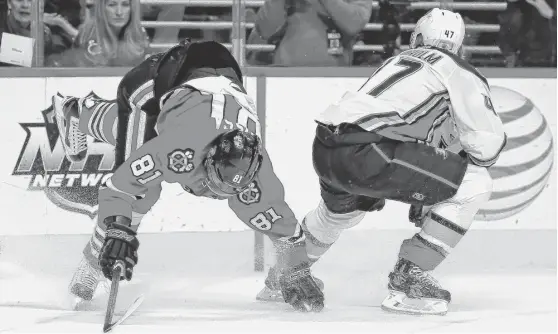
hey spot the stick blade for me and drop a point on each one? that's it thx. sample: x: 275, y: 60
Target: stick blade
x: 108, y: 327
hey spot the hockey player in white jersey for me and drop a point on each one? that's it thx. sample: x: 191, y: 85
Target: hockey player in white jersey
x: 422, y: 131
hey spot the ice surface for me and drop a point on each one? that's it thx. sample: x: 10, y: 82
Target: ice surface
x: 204, y: 282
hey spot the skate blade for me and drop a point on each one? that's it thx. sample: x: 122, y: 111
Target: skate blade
x: 398, y: 302
x: 268, y: 295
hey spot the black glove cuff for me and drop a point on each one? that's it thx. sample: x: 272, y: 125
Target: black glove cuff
x: 120, y: 220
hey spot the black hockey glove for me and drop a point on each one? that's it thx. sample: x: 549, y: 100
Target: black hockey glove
x: 120, y: 244
x: 300, y: 290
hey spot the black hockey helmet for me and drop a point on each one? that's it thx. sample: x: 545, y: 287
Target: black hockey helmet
x: 232, y: 162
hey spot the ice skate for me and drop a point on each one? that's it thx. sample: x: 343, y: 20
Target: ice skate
x: 414, y: 291
x: 271, y: 292
x: 67, y: 120
x: 84, y: 283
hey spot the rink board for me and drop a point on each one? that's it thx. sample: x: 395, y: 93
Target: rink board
x: 200, y: 278
x: 290, y: 107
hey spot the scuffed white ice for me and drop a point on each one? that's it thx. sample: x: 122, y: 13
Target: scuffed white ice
x: 191, y: 291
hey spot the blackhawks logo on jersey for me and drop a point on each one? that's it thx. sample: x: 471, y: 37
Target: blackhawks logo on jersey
x: 72, y: 186
x: 180, y: 161
x: 251, y: 194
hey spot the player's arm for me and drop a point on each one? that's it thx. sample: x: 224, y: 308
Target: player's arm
x: 263, y: 208
x: 481, y: 132
x: 269, y: 214
x: 145, y: 168
x: 149, y: 164
x: 349, y: 16
x: 128, y: 184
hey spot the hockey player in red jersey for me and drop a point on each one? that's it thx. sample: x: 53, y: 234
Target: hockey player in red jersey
x: 183, y: 117
x: 422, y: 130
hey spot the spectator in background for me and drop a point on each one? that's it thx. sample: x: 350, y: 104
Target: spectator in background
x: 470, y: 38
x: 63, y: 18
x: 391, y: 31
x: 3, y: 12
x: 150, y: 13
x: 309, y: 32
x: 87, y: 10
x: 528, y: 33
x: 114, y: 37
x: 18, y: 22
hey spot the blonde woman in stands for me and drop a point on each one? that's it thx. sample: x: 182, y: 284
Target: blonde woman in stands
x: 114, y: 37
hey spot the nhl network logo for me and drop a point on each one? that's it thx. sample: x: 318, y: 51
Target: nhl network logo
x: 72, y: 186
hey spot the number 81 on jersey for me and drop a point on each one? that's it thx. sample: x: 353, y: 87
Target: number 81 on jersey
x: 261, y: 220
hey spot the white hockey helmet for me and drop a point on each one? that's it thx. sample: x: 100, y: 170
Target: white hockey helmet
x: 440, y: 28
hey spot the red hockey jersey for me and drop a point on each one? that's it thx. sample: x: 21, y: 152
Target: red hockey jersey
x: 192, y: 115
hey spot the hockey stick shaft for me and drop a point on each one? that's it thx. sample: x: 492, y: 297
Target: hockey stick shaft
x: 116, y: 272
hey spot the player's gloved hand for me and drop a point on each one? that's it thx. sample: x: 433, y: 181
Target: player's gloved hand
x: 120, y: 244
x: 300, y: 290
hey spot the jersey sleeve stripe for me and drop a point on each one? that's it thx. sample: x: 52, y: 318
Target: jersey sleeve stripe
x: 130, y: 132
x: 100, y: 122
x: 418, y: 128
x: 139, y: 94
x: 436, y: 124
x: 107, y: 121
x: 381, y: 121
x: 93, y: 122
x: 435, y: 105
x: 426, y: 104
x: 491, y: 161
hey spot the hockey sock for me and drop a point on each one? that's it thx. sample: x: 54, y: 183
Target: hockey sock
x: 98, y: 118
x: 323, y: 227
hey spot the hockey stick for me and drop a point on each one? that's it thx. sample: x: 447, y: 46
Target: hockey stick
x: 108, y: 325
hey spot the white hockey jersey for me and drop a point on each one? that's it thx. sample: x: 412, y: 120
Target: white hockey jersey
x: 430, y: 96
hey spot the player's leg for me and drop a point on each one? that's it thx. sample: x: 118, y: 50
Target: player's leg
x: 339, y: 209
x: 419, y: 175
x: 443, y: 226
x: 406, y: 172
x: 87, y: 277
x: 107, y: 120
x: 79, y: 117
x: 98, y: 118
x: 414, y: 174
x: 131, y: 132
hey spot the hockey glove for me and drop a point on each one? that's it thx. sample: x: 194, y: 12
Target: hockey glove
x: 300, y: 290
x: 120, y: 244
